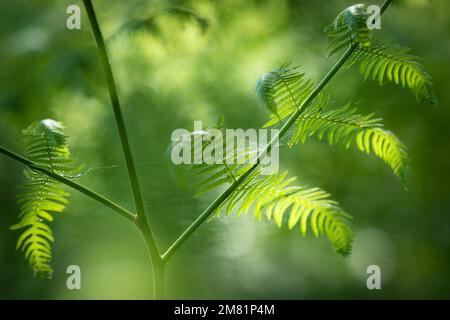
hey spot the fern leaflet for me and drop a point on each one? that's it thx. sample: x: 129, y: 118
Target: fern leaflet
x: 342, y: 126
x: 349, y: 27
x: 46, y: 147
x: 392, y: 63
x: 216, y: 169
x: 283, y: 91
x: 275, y: 196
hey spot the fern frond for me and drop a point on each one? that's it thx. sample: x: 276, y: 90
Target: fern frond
x: 275, y: 197
x: 381, y: 60
x: 283, y: 91
x: 349, y: 27
x: 41, y: 196
x: 279, y: 91
x: 385, y: 62
x: 343, y: 126
x: 235, y: 161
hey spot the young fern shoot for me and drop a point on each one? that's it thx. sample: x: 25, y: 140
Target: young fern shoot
x: 379, y: 59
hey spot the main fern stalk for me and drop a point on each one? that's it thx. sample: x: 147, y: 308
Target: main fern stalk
x: 284, y: 129
x: 141, y: 221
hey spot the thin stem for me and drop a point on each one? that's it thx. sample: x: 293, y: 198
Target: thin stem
x: 205, y: 215
x: 288, y: 124
x: 92, y: 194
x: 142, y: 220
x: 385, y: 5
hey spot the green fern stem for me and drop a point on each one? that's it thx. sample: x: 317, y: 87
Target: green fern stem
x: 284, y: 129
x: 385, y: 5
x: 76, y: 186
x: 142, y: 220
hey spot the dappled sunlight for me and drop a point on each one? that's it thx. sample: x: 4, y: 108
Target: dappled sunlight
x: 176, y: 62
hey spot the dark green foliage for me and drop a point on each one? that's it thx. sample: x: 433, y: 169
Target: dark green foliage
x: 150, y: 23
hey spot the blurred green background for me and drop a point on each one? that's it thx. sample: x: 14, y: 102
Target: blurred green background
x: 179, y: 61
